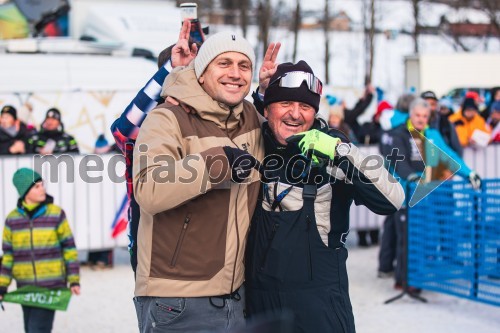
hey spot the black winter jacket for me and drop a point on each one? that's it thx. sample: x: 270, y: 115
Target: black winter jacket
x: 6, y: 140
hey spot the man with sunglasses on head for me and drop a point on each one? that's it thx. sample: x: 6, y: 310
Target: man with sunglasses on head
x: 296, y: 256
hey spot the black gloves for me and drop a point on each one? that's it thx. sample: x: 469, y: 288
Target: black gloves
x: 241, y: 163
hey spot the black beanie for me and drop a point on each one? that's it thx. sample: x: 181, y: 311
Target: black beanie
x: 469, y: 103
x: 10, y: 110
x: 429, y: 95
x: 53, y: 113
x: 275, y: 93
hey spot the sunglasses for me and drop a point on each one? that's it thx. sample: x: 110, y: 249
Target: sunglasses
x: 295, y: 80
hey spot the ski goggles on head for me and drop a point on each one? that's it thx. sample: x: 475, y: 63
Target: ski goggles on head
x: 295, y: 80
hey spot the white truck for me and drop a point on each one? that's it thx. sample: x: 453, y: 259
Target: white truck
x: 443, y: 73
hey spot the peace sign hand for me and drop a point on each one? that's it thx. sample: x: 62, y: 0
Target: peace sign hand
x: 269, y: 66
x: 181, y: 53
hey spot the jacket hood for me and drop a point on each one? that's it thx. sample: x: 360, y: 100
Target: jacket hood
x: 182, y: 85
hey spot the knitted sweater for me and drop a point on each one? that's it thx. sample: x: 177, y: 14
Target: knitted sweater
x: 39, y: 248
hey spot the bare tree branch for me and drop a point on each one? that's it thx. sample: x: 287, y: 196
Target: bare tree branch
x: 243, y: 4
x: 296, y: 28
x: 416, y: 30
x: 326, y: 30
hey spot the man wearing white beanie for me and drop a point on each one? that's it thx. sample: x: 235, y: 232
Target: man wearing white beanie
x: 196, y: 186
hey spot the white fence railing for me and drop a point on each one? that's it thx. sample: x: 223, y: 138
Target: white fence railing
x: 90, y: 206
x: 91, y: 203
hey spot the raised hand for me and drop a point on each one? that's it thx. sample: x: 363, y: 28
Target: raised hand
x: 369, y: 89
x: 181, y: 53
x: 269, y: 66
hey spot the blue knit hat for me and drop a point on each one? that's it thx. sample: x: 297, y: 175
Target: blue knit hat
x: 24, y: 179
x: 101, y: 141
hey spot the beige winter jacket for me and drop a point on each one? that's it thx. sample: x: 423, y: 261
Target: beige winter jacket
x: 194, y: 222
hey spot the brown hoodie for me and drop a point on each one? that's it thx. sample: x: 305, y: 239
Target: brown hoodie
x: 194, y: 222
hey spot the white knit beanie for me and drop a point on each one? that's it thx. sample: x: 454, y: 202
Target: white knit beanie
x: 220, y: 43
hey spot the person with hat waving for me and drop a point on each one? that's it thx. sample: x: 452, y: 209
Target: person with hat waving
x: 193, y: 223
x: 52, y: 139
x: 296, y: 256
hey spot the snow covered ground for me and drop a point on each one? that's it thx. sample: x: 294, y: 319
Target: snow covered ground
x: 106, y: 304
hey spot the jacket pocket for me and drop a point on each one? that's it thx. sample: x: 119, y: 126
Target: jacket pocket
x: 178, y: 246
x: 276, y: 225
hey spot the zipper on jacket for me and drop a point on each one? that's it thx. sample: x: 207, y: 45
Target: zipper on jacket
x: 268, y: 248
x: 309, y: 259
x: 231, y: 110
x: 180, y: 240
x: 32, y: 250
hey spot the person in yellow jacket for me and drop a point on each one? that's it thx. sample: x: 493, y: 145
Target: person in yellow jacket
x: 38, y: 248
x: 467, y: 121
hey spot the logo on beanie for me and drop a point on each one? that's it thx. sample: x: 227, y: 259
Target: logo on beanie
x: 233, y: 37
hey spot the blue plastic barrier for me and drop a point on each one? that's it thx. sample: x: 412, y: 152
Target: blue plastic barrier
x: 454, y: 241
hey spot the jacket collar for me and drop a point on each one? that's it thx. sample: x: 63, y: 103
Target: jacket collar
x: 38, y: 211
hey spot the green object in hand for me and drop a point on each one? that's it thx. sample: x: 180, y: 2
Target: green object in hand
x: 315, y: 143
x: 52, y: 299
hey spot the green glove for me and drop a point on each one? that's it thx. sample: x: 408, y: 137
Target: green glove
x: 317, y: 143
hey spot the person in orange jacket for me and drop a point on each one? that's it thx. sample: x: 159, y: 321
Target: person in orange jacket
x: 467, y: 121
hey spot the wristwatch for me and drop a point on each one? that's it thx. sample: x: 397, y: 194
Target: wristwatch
x: 343, y: 149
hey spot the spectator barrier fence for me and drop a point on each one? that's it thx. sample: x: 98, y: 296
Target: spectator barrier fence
x: 454, y: 241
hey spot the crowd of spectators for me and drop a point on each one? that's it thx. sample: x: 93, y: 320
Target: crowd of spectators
x: 18, y: 138
x: 475, y: 123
